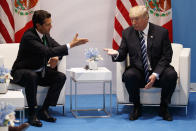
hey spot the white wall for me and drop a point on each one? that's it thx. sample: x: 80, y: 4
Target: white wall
x: 92, y: 19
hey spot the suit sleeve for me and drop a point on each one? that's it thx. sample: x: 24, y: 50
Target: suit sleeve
x: 122, y: 49
x: 55, y: 44
x: 167, y: 53
x: 36, y: 47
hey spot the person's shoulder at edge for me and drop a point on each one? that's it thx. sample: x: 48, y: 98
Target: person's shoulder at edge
x: 30, y: 34
x: 127, y: 31
x: 158, y: 27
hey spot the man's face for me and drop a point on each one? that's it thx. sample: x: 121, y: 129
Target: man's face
x: 139, y: 23
x: 45, y: 27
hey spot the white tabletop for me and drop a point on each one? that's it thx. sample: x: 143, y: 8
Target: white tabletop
x: 81, y: 74
x: 15, y: 98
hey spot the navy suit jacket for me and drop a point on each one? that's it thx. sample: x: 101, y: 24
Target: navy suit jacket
x: 158, y: 48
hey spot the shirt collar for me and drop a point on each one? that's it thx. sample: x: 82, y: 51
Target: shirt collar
x: 39, y: 34
x: 146, y: 29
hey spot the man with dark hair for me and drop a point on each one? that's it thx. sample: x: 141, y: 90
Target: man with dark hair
x: 38, y: 49
x: 150, y: 54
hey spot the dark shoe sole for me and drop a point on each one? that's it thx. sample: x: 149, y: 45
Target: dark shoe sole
x: 164, y: 118
x: 35, y: 124
x: 132, y: 118
x: 53, y: 120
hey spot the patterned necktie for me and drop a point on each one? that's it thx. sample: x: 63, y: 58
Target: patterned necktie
x: 144, y: 56
x: 44, y: 67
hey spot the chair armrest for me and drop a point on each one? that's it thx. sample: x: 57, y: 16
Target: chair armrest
x: 1, y: 60
x: 184, y: 65
x: 62, y: 65
x: 120, y: 68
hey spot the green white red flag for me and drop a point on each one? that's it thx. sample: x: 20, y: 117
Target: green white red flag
x: 16, y: 18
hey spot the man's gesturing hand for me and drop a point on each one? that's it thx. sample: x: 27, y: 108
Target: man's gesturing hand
x: 77, y: 41
x: 111, y: 51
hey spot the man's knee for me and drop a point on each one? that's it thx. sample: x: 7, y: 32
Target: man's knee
x: 130, y: 75
x: 29, y: 76
x: 62, y: 77
x: 26, y: 78
x: 171, y: 75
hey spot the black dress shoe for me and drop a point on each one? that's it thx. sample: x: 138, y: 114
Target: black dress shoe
x: 34, y: 121
x: 43, y: 115
x: 136, y: 113
x: 164, y: 113
x: 22, y: 127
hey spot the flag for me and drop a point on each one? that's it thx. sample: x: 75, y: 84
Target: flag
x: 159, y: 11
x: 16, y: 18
x: 7, y: 25
x: 23, y: 12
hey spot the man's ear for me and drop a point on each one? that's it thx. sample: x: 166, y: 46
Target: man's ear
x: 38, y: 26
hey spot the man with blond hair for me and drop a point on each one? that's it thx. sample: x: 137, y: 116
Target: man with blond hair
x: 150, y: 54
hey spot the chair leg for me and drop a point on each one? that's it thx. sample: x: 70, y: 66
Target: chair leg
x: 63, y: 110
x: 117, y: 108
x: 186, y: 110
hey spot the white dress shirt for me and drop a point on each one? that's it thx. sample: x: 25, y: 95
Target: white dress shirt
x: 145, y: 34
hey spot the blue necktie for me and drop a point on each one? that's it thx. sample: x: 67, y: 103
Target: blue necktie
x: 144, y: 56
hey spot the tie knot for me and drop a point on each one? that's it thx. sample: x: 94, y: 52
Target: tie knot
x: 43, y: 37
x: 44, y: 40
x: 141, y: 35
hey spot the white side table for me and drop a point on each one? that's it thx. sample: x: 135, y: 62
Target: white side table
x: 15, y: 98
x: 81, y: 75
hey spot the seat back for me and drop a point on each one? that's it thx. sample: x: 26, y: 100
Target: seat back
x: 9, y: 53
x: 177, y: 48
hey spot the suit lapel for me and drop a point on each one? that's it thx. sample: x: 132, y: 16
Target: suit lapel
x: 136, y: 42
x: 35, y: 32
x: 40, y: 39
x: 150, y: 40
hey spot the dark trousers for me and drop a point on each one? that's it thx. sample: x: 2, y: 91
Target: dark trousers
x: 30, y: 80
x: 134, y: 80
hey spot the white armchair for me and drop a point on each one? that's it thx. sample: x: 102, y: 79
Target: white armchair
x: 181, y: 63
x: 8, y: 54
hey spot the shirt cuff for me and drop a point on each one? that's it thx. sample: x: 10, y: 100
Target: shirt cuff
x: 156, y: 75
x: 116, y: 56
x: 68, y: 46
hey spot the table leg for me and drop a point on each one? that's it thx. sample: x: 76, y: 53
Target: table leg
x: 104, y: 95
x: 70, y: 94
x: 76, y: 97
x: 110, y: 97
x: 23, y: 115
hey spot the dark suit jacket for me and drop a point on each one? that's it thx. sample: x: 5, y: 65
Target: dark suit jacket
x: 159, y: 48
x: 32, y: 52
